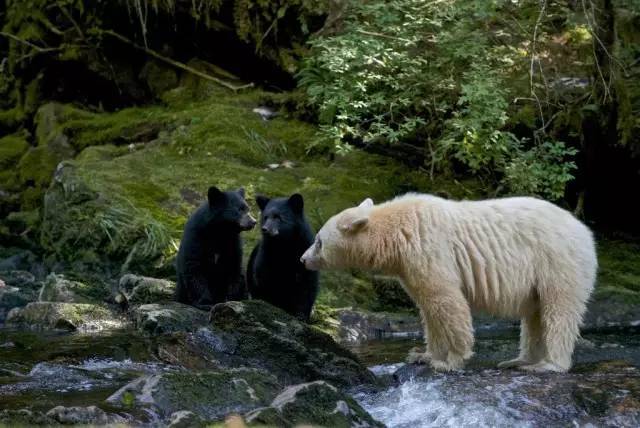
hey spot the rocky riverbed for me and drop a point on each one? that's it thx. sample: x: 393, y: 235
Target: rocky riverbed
x: 145, y: 360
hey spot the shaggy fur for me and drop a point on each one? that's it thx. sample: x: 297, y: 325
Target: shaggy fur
x: 514, y: 257
x: 274, y: 272
x: 209, y: 262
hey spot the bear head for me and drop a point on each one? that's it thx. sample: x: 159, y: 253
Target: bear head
x: 230, y: 209
x: 340, y: 239
x: 280, y: 217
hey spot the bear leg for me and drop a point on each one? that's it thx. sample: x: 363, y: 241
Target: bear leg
x: 448, y: 329
x: 561, y: 316
x: 532, y: 346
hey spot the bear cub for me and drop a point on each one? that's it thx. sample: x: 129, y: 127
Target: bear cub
x: 209, y: 262
x: 275, y: 273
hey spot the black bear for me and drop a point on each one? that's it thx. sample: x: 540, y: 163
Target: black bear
x: 209, y: 262
x: 275, y: 273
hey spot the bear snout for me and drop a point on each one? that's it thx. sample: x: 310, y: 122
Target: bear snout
x: 309, y: 262
x: 247, y: 222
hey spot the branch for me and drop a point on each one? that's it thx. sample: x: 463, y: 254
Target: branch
x: 24, y: 42
x: 175, y: 63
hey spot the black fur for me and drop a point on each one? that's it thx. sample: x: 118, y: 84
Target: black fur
x: 275, y: 273
x: 209, y: 262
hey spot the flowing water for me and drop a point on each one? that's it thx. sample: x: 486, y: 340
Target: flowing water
x: 42, y: 370
x: 482, y: 396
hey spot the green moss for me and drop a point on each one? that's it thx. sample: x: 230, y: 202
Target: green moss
x: 12, y: 147
x: 148, y: 191
x: 35, y: 171
x: 619, y: 266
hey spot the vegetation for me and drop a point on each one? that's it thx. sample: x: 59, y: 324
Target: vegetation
x: 115, y: 118
x: 500, y: 87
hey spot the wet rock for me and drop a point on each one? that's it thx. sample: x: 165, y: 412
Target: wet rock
x: 22, y: 260
x: 358, y: 326
x: 256, y: 334
x: 57, y: 288
x: 185, y: 419
x: 64, y: 316
x: 90, y: 415
x: 24, y: 417
x: 138, y: 290
x: 592, y: 394
x: 315, y: 403
x: 19, y: 289
x: 170, y: 317
x: 210, y: 395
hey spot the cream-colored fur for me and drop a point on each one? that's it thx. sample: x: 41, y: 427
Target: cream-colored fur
x: 515, y: 257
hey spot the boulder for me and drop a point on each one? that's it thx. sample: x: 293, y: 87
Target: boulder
x: 64, y: 316
x: 138, y: 290
x: 57, y: 288
x: 317, y: 404
x: 169, y: 317
x: 185, y: 419
x: 256, y: 334
x: 211, y: 395
x: 90, y: 415
x: 17, y: 289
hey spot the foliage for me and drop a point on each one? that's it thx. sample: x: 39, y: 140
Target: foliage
x: 444, y: 75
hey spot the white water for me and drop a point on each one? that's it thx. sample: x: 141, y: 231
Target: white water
x: 444, y: 402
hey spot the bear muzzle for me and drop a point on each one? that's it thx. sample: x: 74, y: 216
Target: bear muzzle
x: 309, y: 261
x: 247, y: 222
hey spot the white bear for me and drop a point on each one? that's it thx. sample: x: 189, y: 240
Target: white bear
x: 514, y: 257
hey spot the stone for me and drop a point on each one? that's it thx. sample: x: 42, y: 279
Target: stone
x: 64, y: 316
x: 169, y: 317
x: 256, y: 334
x: 211, y: 394
x: 57, y: 288
x: 138, y: 290
x: 317, y: 404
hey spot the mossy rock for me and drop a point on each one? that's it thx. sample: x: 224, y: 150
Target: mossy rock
x: 158, y: 77
x: 138, y: 290
x: 313, y: 404
x: 126, y: 207
x: 17, y: 289
x: 210, y: 394
x: 63, y: 316
x: 168, y: 318
x: 58, y: 288
x: 12, y: 147
x: 256, y: 334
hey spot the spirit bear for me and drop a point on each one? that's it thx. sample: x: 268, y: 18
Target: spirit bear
x: 514, y: 257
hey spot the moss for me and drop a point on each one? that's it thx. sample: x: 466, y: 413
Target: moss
x: 12, y: 147
x: 150, y: 188
x: 159, y: 78
x: 619, y: 266
x: 35, y: 170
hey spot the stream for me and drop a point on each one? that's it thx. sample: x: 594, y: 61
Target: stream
x: 603, y: 389
x: 41, y: 370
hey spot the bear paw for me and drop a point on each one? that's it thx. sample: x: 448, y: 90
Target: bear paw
x: 448, y: 365
x: 418, y: 357
x: 516, y: 362
x: 542, y: 367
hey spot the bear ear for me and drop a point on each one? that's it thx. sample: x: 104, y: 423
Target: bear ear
x: 355, y: 225
x: 297, y: 203
x: 240, y: 192
x: 367, y: 203
x: 215, y: 195
x: 262, y: 202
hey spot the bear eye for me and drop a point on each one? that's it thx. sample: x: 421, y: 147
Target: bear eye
x: 318, y: 243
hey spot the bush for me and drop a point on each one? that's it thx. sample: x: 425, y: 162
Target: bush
x: 437, y: 74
